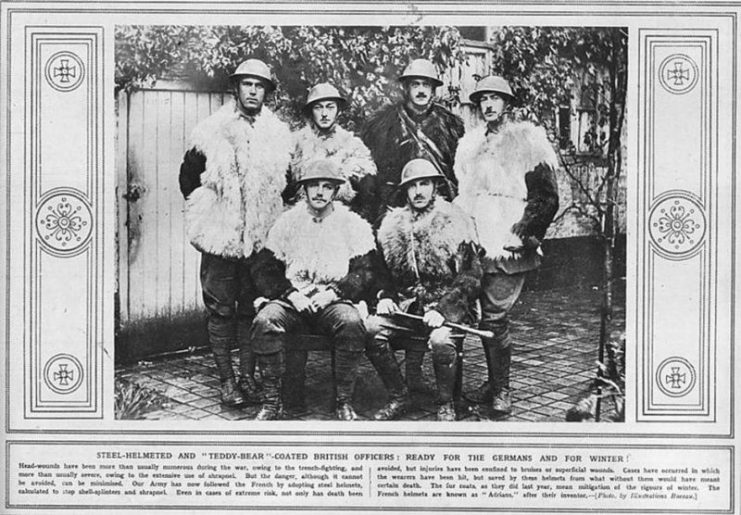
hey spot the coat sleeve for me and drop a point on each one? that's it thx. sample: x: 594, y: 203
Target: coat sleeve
x: 455, y: 303
x: 269, y: 275
x: 194, y: 163
x: 542, y: 201
x: 356, y: 285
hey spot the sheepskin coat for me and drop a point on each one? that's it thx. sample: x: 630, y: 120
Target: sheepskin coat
x: 431, y: 256
x: 335, y: 252
x: 347, y: 151
x: 392, y: 147
x: 241, y: 168
x: 506, y: 177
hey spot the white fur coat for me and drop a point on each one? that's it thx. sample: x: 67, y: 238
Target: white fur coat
x: 239, y: 198
x: 491, y: 172
x: 343, y: 148
x: 319, y: 253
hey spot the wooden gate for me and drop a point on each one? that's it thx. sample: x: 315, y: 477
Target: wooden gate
x: 159, y: 306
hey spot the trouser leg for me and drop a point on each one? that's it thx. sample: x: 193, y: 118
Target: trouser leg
x: 219, y: 285
x: 382, y: 358
x: 245, y: 315
x: 413, y: 360
x: 342, y: 322
x: 444, y: 359
x: 500, y: 292
x: 270, y: 331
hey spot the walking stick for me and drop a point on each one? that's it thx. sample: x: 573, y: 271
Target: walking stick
x: 482, y: 333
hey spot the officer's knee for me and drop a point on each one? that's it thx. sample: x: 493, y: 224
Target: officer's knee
x: 442, y: 344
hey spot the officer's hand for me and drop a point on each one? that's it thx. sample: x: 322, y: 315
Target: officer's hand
x: 323, y: 299
x: 386, y: 307
x: 301, y: 302
x: 433, y: 319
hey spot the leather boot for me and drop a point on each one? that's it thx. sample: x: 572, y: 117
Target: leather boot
x: 272, y: 372
x: 414, y: 377
x: 345, y: 373
x: 445, y: 375
x: 388, y: 370
x: 247, y: 384
x: 502, y: 399
x: 484, y: 393
x: 231, y: 396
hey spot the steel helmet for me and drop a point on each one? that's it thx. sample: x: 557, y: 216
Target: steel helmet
x: 491, y: 84
x: 421, y: 68
x: 323, y: 91
x: 321, y: 170
x: 416, y: 169
x: 254, y: 68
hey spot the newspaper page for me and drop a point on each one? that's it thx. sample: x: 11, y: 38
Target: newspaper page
x: 167, y: 347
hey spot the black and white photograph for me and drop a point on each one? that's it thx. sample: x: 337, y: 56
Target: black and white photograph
x: 371, y: 223
x: 450, y: 257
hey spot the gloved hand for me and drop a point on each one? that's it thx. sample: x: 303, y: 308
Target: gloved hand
x: 386, y: 307
x: 301, y: 302
x: 323, y: 299
x: 433, y: 319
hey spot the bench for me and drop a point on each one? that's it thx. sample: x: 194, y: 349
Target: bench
x: 298, y: 348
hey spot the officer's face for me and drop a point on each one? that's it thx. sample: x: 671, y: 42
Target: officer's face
x: 251, y: 93
x: 492, y: 106
x: 324, y: 113
x: 320, y: 193
x: 420, y: 193
x: 419, y: 91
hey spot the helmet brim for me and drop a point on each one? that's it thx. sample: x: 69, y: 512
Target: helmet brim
x: 435, y: 82
x: 334, y: 180
x: 268, y: 82
x: 475, y: 97
x: 341, y: 104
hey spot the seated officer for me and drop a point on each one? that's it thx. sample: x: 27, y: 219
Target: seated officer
x: 325, y: 253
x: 432, y: 269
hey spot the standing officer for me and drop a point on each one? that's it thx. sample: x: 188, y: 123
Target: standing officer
x: 326, y: 255
x: 323, y: 138
x: 508, y: 185
x: 232, y: 177
x: 433, y: 270
x: 412, y: 128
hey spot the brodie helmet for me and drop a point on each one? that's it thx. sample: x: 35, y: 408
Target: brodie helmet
x: 254, y: 68
x: 491, y: 84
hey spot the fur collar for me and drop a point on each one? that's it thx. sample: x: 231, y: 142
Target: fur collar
x: 417, y: 246
x: 340, y: 146
x: 319, y: 253
x: 240, y: 193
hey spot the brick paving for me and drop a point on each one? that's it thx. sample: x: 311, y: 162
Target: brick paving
x: 555, y: 335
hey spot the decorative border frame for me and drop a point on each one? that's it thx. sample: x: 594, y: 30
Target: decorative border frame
x: 75, y: 210
x: 698, y: 262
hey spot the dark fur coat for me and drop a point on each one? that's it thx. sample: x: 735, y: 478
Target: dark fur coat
x: 391, y: 150
x: 432, y: 257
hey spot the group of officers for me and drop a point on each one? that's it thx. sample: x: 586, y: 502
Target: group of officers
x: 300, y: 231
